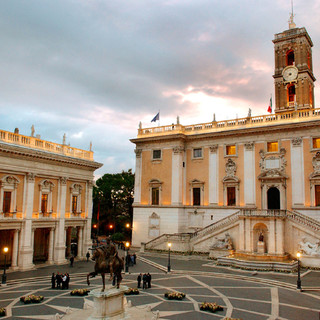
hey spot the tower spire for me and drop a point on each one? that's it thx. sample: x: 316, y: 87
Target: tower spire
x: 292, y: 25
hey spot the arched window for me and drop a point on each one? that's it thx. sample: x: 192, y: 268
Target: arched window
x: 290, y: 58
x: 309, y: 60
x: 291, y: 94
x: 310, y: 95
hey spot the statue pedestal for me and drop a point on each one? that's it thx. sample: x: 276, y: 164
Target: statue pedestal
x: 261, y: 247
x: 108, y: 304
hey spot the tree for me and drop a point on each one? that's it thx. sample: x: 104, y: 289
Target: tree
x: 112, y: 201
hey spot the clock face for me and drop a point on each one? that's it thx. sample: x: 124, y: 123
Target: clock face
x: 290, y: 73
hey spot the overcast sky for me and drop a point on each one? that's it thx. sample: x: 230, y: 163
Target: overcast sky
x: 94, y: 68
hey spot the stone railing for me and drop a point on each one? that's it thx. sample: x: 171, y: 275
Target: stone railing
x: 304, y: 220
x: 35, y: 143
x: 263, y: 213
x: 217, y: 126
x: 221, y: 223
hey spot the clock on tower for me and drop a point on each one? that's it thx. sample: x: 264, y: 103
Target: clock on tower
x: 293, y: 74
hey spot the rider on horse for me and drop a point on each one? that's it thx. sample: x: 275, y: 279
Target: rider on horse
x: 111, y: 254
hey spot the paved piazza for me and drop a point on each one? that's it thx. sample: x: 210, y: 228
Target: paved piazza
x: 242, y: 295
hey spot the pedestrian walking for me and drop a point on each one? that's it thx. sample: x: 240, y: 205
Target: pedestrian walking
x: 134, y: 258
x: 149, y: 280
x: 67, y: 280
x: 88, y: 256
x: 71, y: 261
x: 53, y: 281
x: 139, y: 280
x: 144, y: 281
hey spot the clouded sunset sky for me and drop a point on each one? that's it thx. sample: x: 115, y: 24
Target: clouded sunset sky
x: 94, y: 68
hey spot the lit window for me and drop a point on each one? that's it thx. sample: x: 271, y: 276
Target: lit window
x: 6, y: 201
x: 44, y: 203
x: 272, y: 146
x: 316, y: 143
x: 156, y: 154
x: 155, y: 196
x: 290, y: 58
x: 231, y: 150
x: 74, y: 204
x: 291, y: 93
x: 317, y: 195
x: 231, y: 196
x: 196, y: 196
x: 197, y: 153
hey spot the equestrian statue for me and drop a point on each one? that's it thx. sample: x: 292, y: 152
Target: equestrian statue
x: 107, y: 261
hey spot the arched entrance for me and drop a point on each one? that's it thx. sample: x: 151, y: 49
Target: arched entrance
x: 41, y: 245
x: 273, y: 197
x: 6, y: 240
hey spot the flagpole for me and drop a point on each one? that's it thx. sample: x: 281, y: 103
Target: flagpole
x: 159, y: 119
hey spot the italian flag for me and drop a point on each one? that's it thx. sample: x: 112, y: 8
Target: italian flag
x: 270, y: 106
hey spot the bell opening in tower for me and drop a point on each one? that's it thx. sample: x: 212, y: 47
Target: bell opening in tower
x: 290, y: 58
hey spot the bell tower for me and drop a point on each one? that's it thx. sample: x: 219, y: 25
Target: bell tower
x: 293, y: 74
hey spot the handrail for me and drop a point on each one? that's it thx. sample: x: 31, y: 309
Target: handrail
x: 303, y: 219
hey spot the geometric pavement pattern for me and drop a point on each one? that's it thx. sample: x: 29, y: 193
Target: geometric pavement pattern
x: 245, y: 299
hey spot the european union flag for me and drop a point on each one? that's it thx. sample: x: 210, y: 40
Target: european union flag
x: 156, y: 117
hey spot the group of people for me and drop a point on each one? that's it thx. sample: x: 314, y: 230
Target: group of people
x: 60, y: 281
x: 146, y: 280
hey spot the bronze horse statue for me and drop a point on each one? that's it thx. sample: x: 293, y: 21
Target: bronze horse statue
x: 107, y: 261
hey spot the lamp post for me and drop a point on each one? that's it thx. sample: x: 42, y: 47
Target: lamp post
x: 169, y: 266
x: 4, y: 276
x: 299, y: 278
x: 127, y: 249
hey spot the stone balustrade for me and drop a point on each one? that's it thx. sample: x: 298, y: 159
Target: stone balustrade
x: 36, y: 143
x: 218, y: 126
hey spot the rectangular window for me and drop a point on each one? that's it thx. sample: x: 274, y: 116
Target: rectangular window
x: 231, y: 196
x: 156, y: 154
x: 6, y: 201
x: 316, y: 143
x: 272, y: 146
x: 196, y: 196
x: 74, y: 204
x: 231, y: 150
x: 197, y: 153
x: 155, y: 196
x: 44, y: 203
x: 317, y: 195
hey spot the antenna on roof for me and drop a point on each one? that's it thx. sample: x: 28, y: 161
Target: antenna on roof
x: 292, y: 25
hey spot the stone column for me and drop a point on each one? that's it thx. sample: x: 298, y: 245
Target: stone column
x: 213, y: 175
x: 272, y: 237
x: 249, y: 174
x: 51, y: 244
x: 68, y: 241
x: 80, y: 242
x: 137, y: 180
x: 176, y: 180
x: 26, y: 251
x: 241, y: 234
x: 15, y: 246
x: 87, y: 242
x: 60, y: 246
x: 248, y: 247
x: 280, y: 236
x: 297, y: 172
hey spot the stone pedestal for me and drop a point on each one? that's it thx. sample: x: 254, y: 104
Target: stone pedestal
x: 108, y: 304
x: 261, y: 247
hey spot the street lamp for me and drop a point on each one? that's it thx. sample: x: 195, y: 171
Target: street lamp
x: 127, y: 249
x: 4, y: 276
x: 169, y: 266
x: 299, y: 278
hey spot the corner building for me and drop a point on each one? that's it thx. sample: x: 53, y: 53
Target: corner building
x: 242, y: 176
x: 45, y: 200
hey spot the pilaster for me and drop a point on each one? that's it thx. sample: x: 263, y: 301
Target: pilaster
x: 176, y: 182
x: 137, y: 180
x: 249, y: 174
x: 213, y: 175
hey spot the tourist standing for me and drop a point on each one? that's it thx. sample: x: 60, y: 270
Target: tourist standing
x: 71, y: 261
x: 88, y: 256
x: 144, y: 281
x: 53, y: 281
x: 59, y: 280
x: 149, y: 280
x: 139, y: 280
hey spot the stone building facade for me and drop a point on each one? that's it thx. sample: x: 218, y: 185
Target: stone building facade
x: 244, y: 176
x: 45, y: 200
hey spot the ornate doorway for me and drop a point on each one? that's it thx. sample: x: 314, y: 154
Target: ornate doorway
x: 273, y: 198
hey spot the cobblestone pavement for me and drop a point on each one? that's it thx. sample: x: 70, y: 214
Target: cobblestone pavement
x: 241, y: 294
